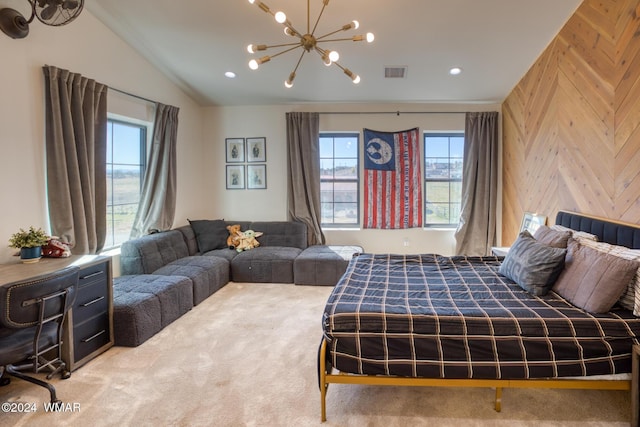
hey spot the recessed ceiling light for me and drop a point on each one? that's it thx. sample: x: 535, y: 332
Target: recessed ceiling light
x: 455, y: 71
x: 230, y: 74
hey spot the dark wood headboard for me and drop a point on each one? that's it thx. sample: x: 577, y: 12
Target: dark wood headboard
x: 615, y: 233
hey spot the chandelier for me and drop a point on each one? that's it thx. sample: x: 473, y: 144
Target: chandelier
x: 307, y: 42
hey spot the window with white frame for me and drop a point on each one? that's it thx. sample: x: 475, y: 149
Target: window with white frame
x: 126, y: 163
x: 443, y: 159
x: 339, y: 179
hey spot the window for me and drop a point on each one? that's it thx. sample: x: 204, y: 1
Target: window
x: 126, y: 162
x: 443, y: 156
x: 339, y: 179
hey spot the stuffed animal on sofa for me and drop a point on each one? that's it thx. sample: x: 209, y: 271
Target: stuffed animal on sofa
x: 248, y: 240
x: 234, y: 236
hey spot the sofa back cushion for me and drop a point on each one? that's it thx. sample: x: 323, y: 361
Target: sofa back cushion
x: 281, y: 233
x: 146, y: 254
x: 190, y: 239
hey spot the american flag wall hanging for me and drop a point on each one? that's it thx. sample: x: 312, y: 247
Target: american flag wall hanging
x: 392, y: 179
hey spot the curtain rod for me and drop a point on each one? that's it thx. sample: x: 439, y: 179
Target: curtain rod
x: 392, y: 112
x: 135, y: 96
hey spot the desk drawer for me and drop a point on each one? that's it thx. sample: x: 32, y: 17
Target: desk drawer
x: 90, y: 301
x: 93, y: 273
x: 90, y: 335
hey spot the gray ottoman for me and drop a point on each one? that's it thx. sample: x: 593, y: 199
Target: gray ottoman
x: 144, y: 304
x: 322, y: 264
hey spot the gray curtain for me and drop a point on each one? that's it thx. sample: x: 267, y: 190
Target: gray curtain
x: 157, y: 205
x: 476, y: 232
x: 76, y: 141
x: 303, y: 155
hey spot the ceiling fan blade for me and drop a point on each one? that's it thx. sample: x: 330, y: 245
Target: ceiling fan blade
x: 70, y: 4
x: 49, y: 12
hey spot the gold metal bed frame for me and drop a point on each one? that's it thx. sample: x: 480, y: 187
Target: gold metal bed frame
x: 327, y: 378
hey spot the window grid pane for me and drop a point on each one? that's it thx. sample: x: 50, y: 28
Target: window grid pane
x: 443, y: 178
x: 339, y: 179
x: 126, y: 162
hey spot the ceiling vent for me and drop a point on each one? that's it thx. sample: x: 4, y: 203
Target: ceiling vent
x: 395, y: 72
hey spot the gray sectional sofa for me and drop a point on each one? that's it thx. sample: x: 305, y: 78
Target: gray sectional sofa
x: 164, y: 275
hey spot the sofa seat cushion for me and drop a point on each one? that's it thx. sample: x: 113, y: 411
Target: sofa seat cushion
x: 322, y: 264
x: 265, y: 264
x: 226, y: 253
x: 207, y: 274
x: 144, y: 304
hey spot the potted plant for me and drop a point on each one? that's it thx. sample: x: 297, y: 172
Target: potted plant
x: 30, y: 243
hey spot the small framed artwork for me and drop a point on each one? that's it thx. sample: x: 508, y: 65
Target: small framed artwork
x: 256, y: 150
x: 531, y: 222
x: 256, y: 176
x: 235, y: 150
x: 235, y: 177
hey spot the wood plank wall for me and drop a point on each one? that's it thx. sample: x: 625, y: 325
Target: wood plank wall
x: 571, y: 127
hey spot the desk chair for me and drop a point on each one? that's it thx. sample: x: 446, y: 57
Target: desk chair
x: 32, y: 314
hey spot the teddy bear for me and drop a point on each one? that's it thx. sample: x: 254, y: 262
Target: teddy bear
x: 234, y: 236
x: 248, y: 240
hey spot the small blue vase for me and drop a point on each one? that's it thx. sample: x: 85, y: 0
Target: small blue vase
x: 31, y: 254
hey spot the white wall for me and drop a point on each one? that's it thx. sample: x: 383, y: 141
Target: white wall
x: 271, y: 204
x: 85, y: 46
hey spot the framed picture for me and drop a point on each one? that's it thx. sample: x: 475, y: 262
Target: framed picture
x: 257, y: 176
x: 256, y: 150
x: 235, y: 150
x: 235, y: 177
x: 531, y: 222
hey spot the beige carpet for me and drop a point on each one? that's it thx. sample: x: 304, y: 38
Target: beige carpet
x: 247, y: 357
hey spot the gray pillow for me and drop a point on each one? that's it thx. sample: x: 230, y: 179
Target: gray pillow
x: 593, y: 280
x: 210, y: 234
x: 551, y: 237
x: 532, y: 265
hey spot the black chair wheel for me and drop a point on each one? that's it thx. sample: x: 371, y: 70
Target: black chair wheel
x: 65, y: 375
x: 4, y: 381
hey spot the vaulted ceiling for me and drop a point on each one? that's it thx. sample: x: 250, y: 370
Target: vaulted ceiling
x: 194, y: 42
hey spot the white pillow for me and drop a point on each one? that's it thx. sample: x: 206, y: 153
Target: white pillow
x: 574, y: 233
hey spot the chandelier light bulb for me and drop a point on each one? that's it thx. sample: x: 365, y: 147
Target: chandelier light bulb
x: 289, y: 83
x: 252, y: 1
x: 370, y: 37
x: 253, y: 64
x: 334, y: 56
x: 354, y: 77
x: 288, y: 31
x: 355, y: 24
x: 280, y: 17
x: 250, y: 49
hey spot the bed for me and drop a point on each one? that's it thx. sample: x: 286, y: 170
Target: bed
x: 430, y: 320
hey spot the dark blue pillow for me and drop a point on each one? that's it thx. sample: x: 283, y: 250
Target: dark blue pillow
x: 210, y: 234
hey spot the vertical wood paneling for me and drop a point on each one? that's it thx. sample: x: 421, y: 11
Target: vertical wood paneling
x: 571, y: 127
